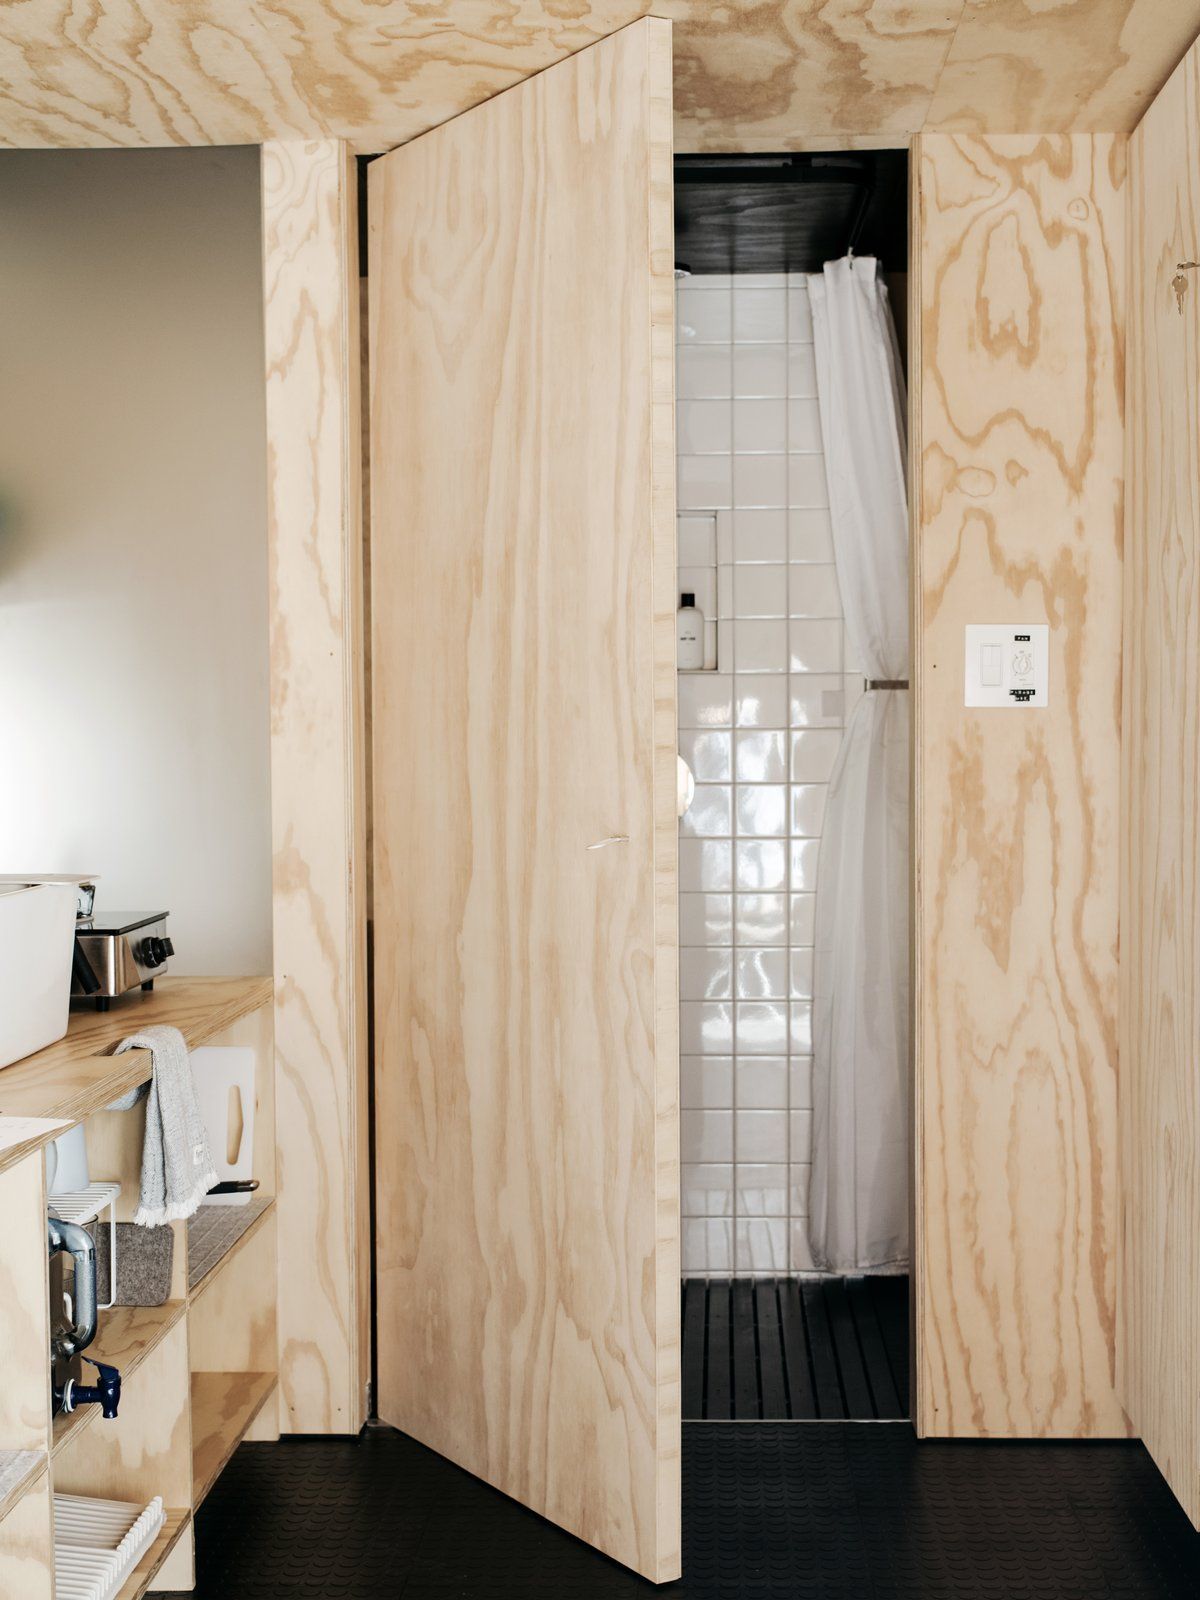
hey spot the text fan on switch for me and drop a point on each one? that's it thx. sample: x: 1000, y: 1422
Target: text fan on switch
x: 1007, y: 665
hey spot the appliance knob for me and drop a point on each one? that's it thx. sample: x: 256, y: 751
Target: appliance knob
x: 153, y: 951
x: 168, y: 947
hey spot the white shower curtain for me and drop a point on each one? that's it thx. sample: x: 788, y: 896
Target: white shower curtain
x: 858, y: 1203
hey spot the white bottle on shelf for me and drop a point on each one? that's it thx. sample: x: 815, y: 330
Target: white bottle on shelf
x: 689, y: 635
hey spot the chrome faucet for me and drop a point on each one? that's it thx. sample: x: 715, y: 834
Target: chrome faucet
x: 67, y: 1343
x: 70, y: 1239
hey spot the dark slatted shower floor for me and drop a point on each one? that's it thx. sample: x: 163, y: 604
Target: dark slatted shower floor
x: 795, y: 1349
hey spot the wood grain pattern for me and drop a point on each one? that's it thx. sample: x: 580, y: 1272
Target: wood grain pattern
x: 525, y: 980
x: 115, y: 1140
x: 1018, y: 517
x: 806, y: 74
x: 753, y: 74
x: 146, y: 1449
x: 256, y: 1031
x: 24, y: 1307
x: 231, y: 1318
x: 176, y: 1525
x: 26, y: 1545
x: 77, y: 1075
x: 1159, y: 1262
x: 317, y: 780
x: 19, y: 1471
x: 126, y: 1336
x: 202, y: 1261
x: 178, y: 1568
x: 224, y: 1404
x: 13, y: 1153
x: 68, y: 1090
x: 1077, y: 66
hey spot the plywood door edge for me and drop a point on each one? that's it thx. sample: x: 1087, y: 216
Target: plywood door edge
x: 355, y: 1163
x: 1158, y: 1241
x: 322, y: 406
x: 663, y: 564
x: 358, y: 864
x: 1121, y: 1371
x: 919, y: 1399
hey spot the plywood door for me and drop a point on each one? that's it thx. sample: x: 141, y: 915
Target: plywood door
x: 1159, y: 1264
x: 523, y: 597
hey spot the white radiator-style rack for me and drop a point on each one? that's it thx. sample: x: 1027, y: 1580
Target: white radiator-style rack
x: 97, y: 1544
x: 84, y: 1206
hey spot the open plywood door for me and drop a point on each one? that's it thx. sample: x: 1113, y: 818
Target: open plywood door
x: 1158, y: 1341
x: 526, y: 962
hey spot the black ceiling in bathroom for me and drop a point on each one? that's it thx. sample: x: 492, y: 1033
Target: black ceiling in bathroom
x: 790, y: 212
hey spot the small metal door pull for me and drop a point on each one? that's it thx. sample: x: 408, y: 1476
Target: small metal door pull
x: 1180, y: 283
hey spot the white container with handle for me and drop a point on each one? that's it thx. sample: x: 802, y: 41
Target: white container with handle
x: 224, y: 1079
x: 37, y: 942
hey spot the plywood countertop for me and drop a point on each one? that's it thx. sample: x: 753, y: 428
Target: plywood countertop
x: 79, y: 1074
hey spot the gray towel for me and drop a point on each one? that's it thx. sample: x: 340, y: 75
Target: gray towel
x: 177, y: 1165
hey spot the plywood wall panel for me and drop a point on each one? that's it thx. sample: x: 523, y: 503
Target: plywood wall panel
x: 310, y: 287
x: 27, y: 1545
x: 525, y: 843
x: 147, y: 1448
x: 752, y: 74
x: 1076, y: 66
x: 1159, y: 1269
x: 1018, y: 428
x: 24, y: 1307
x: 805, y: 74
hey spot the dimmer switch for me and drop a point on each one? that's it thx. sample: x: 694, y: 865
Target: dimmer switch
x: 1007, y: 666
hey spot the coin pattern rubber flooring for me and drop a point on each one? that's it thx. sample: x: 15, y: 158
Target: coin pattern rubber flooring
x: 771, y: 1511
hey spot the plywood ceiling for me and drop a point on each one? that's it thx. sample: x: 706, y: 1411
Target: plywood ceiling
x: 750, y: 74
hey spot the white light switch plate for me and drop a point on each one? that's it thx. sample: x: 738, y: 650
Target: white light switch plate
x: 1007, y: 666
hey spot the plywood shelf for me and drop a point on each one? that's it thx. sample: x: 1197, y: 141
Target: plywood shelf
x: 78, y: 1075
x: 18, y: 1470
x: 224, y: 1321
x: 126, y: 1337
x: 224, y: 1404
x: 140, y: 1579
x: 250, y: 1217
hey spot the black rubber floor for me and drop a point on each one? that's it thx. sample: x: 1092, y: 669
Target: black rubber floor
x: 774, y: 1349
x: 772, y: 1511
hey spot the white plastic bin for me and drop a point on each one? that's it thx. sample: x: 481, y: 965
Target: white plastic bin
x: 37, y: 942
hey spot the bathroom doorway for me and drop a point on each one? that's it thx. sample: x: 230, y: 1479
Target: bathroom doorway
x: 795, y: 1253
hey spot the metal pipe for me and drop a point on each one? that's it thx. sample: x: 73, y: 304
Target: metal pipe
x: 78, y: 1243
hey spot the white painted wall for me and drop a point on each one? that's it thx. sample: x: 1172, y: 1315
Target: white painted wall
x: 133, y: 556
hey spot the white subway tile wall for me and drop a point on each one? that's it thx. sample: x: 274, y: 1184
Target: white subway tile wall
x: 761, y: 734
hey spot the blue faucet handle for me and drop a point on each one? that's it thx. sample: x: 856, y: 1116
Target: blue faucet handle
x: 106, y: 1391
